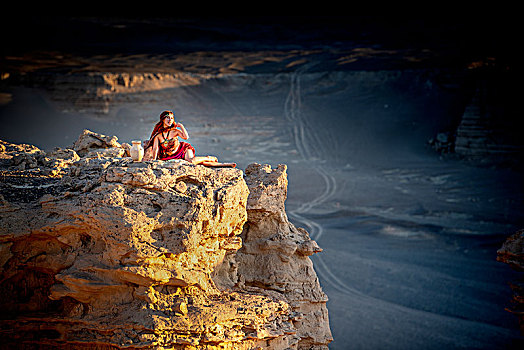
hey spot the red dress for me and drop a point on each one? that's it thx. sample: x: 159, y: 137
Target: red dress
x: 173, y: 149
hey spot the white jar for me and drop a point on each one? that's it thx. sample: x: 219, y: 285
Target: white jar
x: 136, y: 151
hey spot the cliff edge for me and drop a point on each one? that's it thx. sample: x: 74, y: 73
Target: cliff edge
x: 98, y: 251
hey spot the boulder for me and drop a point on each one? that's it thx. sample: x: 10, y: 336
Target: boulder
x: 92, y: 142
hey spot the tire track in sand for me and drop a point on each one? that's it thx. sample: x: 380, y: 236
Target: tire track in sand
x: 301, y: 135
x: 359, y: 302
x: 292, y: 112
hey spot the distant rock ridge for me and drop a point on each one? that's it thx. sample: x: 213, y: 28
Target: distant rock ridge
x: 94, y: 84
x: 100, y: 252
x: 94, y: 92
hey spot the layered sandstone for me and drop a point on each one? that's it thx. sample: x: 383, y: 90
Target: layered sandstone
x: 97, y: 251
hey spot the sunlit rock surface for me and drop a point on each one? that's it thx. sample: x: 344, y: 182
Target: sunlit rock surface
x: 97, y: 251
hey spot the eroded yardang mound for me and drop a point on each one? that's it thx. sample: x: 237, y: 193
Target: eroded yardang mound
x: 97, y: 251
x: 512, y: 253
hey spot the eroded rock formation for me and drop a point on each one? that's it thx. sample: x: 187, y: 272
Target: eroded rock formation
x: 512, y: 253
x: 97, y: 251
x: 275, y: 254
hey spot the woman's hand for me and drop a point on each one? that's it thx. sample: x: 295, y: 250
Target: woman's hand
x: 183, y: 131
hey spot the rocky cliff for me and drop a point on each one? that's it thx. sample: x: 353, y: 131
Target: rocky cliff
x: 100, y: 252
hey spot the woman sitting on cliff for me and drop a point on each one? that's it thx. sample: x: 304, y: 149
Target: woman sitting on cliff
x: 164, y: 145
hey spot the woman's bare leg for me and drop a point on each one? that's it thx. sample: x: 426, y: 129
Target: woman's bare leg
x: 219, y: 164
x: 201, y: 159
x: 206, y: 160
x: 190, y: 157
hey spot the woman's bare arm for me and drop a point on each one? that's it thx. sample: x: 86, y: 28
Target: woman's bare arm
x: 182, y: 132
x: 155, y: 148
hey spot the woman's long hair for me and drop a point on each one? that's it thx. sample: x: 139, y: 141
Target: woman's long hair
x: 159, y: 127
